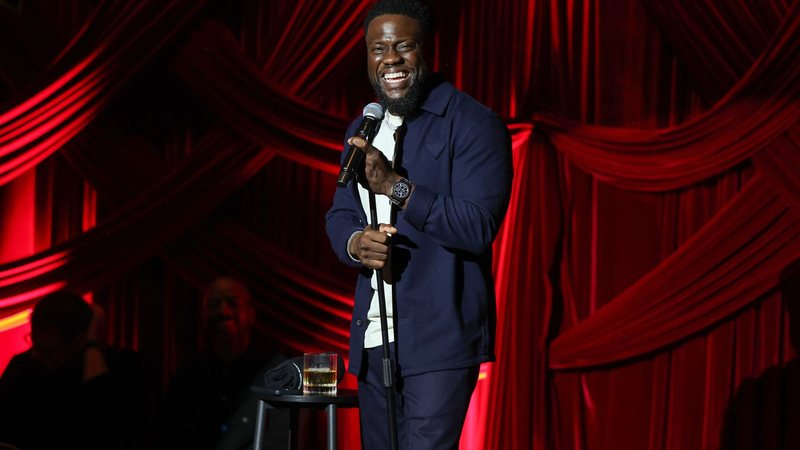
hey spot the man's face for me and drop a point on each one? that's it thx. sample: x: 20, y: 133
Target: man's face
x: 228, y: 312
x: 50, y: 350
x: 395, y: 63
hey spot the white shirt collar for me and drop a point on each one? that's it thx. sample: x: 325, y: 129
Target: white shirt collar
x: 392, y: 121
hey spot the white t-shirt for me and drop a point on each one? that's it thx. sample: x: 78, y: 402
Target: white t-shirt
x: 384, y: 141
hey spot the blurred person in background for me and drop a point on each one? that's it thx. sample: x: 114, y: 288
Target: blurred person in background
x: 70, y: 390
x: 209, y: 404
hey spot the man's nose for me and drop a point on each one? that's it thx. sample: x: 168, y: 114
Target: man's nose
x: 391, y: 56
x: 226, y: 308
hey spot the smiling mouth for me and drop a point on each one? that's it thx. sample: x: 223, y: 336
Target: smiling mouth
x: 392, y: 78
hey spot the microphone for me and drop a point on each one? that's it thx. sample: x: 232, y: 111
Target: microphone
x: 373, y: 114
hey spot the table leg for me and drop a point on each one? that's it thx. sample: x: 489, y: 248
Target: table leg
x: 293, y: 428
x: 331, y: 426
x: 260, y: 416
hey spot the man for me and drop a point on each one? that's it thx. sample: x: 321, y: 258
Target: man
x: 209, y: 404
x: 69, y: 390
x: 441, y: 193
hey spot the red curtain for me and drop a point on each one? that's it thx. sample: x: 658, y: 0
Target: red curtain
x: 642, y: 268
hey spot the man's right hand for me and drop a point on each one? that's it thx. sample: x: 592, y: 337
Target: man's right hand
x: 379, y: 177
x: 371, y: 247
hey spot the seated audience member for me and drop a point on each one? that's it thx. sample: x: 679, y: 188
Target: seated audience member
x: 209, y: 403
x: 69, y: 390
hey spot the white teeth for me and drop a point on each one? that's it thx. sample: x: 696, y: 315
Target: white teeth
x: 395, y: 75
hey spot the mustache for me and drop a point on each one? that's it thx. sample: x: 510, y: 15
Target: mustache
x: 410, y: 103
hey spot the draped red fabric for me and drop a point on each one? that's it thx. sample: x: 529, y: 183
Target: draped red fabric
x: 113, y: 46
x: 118, y: 243
x: 642, y: 268
x: 736, y: 258
x: 780, y: 164
x: 241, y: 95
x: 758, y: 110
x: 725, y: 328
x: 522, y: 262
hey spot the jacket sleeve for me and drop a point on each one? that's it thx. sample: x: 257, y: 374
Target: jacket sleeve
x: 345, y: 216
x: 469, y: 218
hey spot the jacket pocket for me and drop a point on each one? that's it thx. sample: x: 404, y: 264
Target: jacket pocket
x: 435, y: 149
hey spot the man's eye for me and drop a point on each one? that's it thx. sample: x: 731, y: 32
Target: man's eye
x: 377, y: 50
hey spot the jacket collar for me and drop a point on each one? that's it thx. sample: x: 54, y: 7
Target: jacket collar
x: 438, y: 96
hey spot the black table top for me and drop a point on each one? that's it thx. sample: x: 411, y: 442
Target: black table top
x: 275, y: 397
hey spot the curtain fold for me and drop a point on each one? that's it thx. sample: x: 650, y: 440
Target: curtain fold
x: 213, y: 65
x: 522, y: 272
x: 717, y: 45
x: 314, y: 45
x: 780, y: 166
x: 736, y: 258
x: 118, y: 243
x: 698, y: 140
x: 755, y: 112
x: 119, y: 40
x: 738, y: 330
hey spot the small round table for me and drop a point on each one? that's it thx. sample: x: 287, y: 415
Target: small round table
x: 275, y: 398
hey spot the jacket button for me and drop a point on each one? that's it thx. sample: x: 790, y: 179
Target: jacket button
x: 358, y: 322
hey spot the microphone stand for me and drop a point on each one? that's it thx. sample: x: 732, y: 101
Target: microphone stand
x: 388, y: 362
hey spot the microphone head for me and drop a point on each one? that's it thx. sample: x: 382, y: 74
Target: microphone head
x: 373, y: 110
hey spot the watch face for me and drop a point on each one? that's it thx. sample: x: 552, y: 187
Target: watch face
x: 401, y: 189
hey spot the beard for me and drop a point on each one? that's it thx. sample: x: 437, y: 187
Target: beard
x: 407, y: 105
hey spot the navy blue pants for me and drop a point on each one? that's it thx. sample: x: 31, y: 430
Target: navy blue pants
x: 430, y: 407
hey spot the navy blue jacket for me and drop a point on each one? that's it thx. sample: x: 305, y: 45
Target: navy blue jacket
x: 458, y: 155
